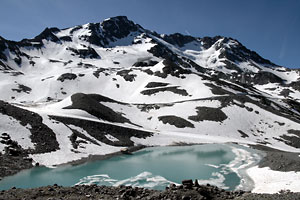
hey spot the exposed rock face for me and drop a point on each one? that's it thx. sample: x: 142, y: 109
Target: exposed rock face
x: 85, y: 53
x: 210, y: 114
x: 173, y: 89
x: 178, y: 39
x: 99, y: 130
x: 90, y: 104
x: 156, y: 84
x: 41, y: 135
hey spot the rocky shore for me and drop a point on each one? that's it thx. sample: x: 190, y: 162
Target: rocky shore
x: 188, y: 190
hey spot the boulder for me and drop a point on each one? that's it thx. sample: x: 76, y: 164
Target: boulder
x: 187, y: 183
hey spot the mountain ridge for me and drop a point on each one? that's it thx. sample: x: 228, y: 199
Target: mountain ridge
x: 139, y: 87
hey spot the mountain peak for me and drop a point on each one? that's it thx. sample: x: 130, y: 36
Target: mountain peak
x: 119, y: 26
x: 117, y: 18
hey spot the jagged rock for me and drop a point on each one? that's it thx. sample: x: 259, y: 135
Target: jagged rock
x: 85, y: 53
x: 187, y: 183
x: 178, y: 39
x: 196, y: 184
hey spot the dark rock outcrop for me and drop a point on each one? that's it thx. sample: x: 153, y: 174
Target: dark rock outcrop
x: 208, y: 113
x: 67, y: 76
x: 175, y: 121
x: 98, y: 131
x: 41, y: 135
x: 178, y: 39
x: 85, y: 53
x: 156, y: 84
x: 173, y: 89
x: 92, y: 105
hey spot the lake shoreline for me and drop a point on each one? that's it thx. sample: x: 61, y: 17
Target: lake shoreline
x: 188, y: 190
x: 267, y: 159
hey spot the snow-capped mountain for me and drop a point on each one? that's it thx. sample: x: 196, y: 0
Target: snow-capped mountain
x: 93, y: 89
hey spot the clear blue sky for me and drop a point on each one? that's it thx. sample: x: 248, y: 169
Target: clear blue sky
x: 269, y: 27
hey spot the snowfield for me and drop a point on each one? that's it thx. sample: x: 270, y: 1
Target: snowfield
x: 269, y: 181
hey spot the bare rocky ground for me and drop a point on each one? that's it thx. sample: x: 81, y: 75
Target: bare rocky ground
x: 187, y: 191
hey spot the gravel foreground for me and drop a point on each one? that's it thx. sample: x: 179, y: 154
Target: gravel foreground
x: 187, y: 191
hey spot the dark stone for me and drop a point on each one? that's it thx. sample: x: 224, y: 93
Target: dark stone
x: 98, y: 71
x: 161, y: 51
x: 243, y: 135
x: 75, y: 29
x: 293, y: 104
x: 85, y: 53
x: 208, y: 113
x: 156, y: 84
x: 22, y: 88
x: 125, y: 74
x: 91, y: 104
x: 54, y: 61
x: 176, y: 121
x: 146, y: 63
x: 148, y: 71
x: 188, y: 184
x: 18, y: 60
x: 263, y: 77
x: 172, y: 186
x: 196, y: 184
x: 186, y: 198
x: 207, y: 42
x: 171, y: 68
x: 12, y: 151
x: 285, y: 92
x: 178, y: 39
x: 76, y: 134
x: 67, y: 76
x: 66, y: 38
x: 173, y: 89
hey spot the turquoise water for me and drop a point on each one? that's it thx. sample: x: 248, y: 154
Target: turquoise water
x: 155, y: 167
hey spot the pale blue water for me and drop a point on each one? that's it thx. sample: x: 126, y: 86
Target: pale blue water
x: 152, y: 167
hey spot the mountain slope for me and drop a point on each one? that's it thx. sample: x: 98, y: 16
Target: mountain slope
x: 102, y: 86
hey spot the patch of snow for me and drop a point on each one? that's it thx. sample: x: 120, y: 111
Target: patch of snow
x: 111, y: 138
x: 270, y: 181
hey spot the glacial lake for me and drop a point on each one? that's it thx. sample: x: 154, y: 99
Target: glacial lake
x: 218, y: 164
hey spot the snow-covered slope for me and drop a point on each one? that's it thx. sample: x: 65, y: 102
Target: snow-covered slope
x: 95, y: 88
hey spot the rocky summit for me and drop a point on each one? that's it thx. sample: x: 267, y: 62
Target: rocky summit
x: 99, y: 87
